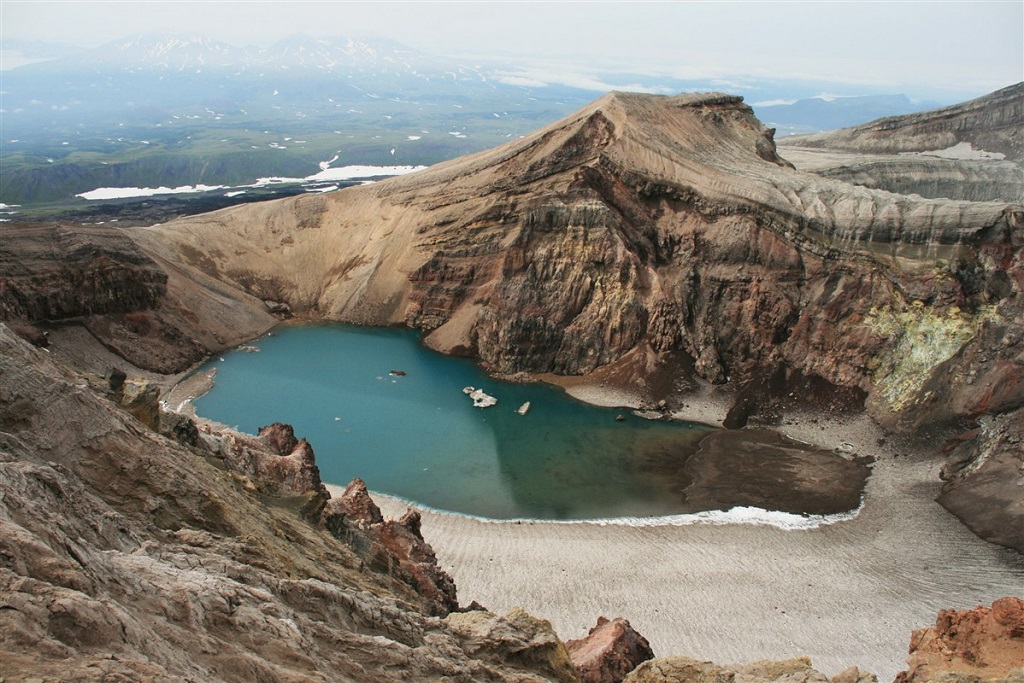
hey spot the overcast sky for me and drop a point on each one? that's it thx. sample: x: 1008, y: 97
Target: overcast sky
x: 969, y: 46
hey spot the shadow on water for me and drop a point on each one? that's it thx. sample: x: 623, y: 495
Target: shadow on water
x: 415, y: 435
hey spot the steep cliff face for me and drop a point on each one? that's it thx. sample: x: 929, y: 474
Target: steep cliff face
x: 662, y: 226
x: 930, y: 176
x: 142, y: 310
x: 52, y: 272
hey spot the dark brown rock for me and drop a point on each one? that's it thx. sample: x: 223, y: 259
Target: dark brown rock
x: 181, y: 428
x: 115, y: 379
x: 610, y: 651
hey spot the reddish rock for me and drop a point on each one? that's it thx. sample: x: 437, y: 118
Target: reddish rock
x: 984, y: 642
x: 357, y: 505
x: 295, y: 472
x: 279, y: 437
x: 609, y: 652
x: 412, y: 560
x: 278, y: 464
x: 395, y: 548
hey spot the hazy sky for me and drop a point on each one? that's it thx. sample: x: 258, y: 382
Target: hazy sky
x: 974, y: 45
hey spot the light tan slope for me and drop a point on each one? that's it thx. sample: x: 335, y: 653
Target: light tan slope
x: 349, y: 254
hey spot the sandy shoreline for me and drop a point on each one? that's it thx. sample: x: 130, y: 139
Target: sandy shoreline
x: 848, y: 593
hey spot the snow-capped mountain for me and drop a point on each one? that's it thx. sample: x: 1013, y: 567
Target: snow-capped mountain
x: 158, y: 52
x: 337, y: 53
x: 166, y: 52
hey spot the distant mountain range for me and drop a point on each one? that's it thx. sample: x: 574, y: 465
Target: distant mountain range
x: 817, y: 114
x: 174, y: 110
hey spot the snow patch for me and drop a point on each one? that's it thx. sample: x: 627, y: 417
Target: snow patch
x: 124, y: 192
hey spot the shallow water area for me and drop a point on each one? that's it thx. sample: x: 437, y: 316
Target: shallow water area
x: 376, y: 404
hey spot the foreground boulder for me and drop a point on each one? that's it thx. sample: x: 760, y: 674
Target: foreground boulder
x: 984, y: 643
x: 610, y: 651
x: 516, y: 639
x: 688, y: 670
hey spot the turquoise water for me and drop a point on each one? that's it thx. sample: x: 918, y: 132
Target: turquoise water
x: 418, y: 436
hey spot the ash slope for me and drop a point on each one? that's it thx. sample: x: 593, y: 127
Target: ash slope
x: 651, y: 237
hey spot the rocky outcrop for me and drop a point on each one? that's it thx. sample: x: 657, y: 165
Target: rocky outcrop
x: 394, y: 548
x: 141, y: 398
x: 984, y: 475
x: 609, y: 651
x: 687, y: 670
x: 516, y: 640
x: 275, y: 463
x: 355, y: 507
x: 126, y: 555
x: 140, y: 309
x: 984, y: 643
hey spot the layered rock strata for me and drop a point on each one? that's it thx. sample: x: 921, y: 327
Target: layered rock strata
x: 972, y: 151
